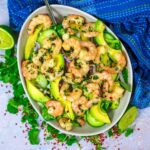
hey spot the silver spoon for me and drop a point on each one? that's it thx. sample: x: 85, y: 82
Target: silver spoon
x: 50, y: 12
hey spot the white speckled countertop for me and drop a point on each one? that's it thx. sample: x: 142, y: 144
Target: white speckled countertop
x: 12, y: 134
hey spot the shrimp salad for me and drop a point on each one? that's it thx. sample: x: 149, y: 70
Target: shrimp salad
x: 72, y: 70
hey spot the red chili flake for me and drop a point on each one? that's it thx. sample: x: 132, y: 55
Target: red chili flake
x: 15, y: 137
x: 138, y: 129
x: 23, y: 131
x: 54, y: 135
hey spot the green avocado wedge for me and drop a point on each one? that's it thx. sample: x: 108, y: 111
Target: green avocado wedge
x: 54, y: 88
x: 31, y: 41
x: 59, y: 61
x: 35, y: 93
x: 92, y: 121
x: 49, y: 33
x: 100, y: 27
x: 99, y: 114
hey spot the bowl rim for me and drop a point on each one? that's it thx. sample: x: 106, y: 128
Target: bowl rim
x: 24, y: 85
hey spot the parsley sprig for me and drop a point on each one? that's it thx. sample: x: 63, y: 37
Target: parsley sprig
x: 9, y: 74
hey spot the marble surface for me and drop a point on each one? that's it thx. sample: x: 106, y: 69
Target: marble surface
x: 12, y: 135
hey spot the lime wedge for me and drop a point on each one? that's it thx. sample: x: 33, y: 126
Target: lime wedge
x: 128, y: 118
x: 6, y: 39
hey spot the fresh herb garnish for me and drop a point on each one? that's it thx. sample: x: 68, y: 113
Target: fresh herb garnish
x: 70, y: 141
x: 46, y: 115
x: 95, y: 77
x: 12, y: 106
x: 34, y: 136
x: 62, y: 137
x: 128, y: 132
x: 110, y: 133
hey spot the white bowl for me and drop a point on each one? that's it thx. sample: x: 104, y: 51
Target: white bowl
x: 60, y: 11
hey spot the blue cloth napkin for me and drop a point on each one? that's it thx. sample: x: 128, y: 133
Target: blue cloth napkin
x: 129, y: 19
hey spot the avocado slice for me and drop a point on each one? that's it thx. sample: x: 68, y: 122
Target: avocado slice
x: 60, y: 62
x: 31, y: 41
x: 92, y: 121
x: 100, y: 27
x: 35, y: 93
x: 99, y: 114
x: 114, y: 76
x: 49, y: 33
x: 105, y: 59
x: 54, y: 88
x: 113, y: 54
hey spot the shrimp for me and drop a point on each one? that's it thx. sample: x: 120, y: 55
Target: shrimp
x: 70, y: 31
x: 73, y: 21
x: 92, y: 101
x: 70, y: 95
x: 78, y: 70
x: 121, y: 63
x: 47, y: 65
x: 47, y: 69
x: 104, y: 76
x: 29, y: 70
x: 57, y: 43
x: 37, y: 57
x: 40, y: 19
x: 74, y: 44
x: 92, y: 90
x: 115, y: 94
x: 55, y: 108
x: 88, y: 30
x: 88, y: 54
x: 100, y: 50
x: 81, y: 121
x: 65, y: 123
x: 79, y: 105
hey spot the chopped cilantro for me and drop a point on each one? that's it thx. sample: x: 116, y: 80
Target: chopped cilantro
x: 62, y: 137
x: 46, y: 115
x: 110, y: 133
x: 12, y: 106
x: 52, y: 130
x: 84, y: 88
x: 48, y: 138
x: 71, y: 140
x: 128, y: 132
x: 33, y: 136
x: 95, y: 77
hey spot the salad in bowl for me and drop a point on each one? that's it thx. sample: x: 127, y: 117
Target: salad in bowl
x: 72, y: 70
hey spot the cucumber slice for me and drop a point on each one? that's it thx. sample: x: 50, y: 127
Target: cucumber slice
x: 108, y: 36
x: 128, y: 118
x: 92, y: 121
x: 41, y: 81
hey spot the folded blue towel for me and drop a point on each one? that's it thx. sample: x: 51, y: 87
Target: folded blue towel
x: 129, y: 19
